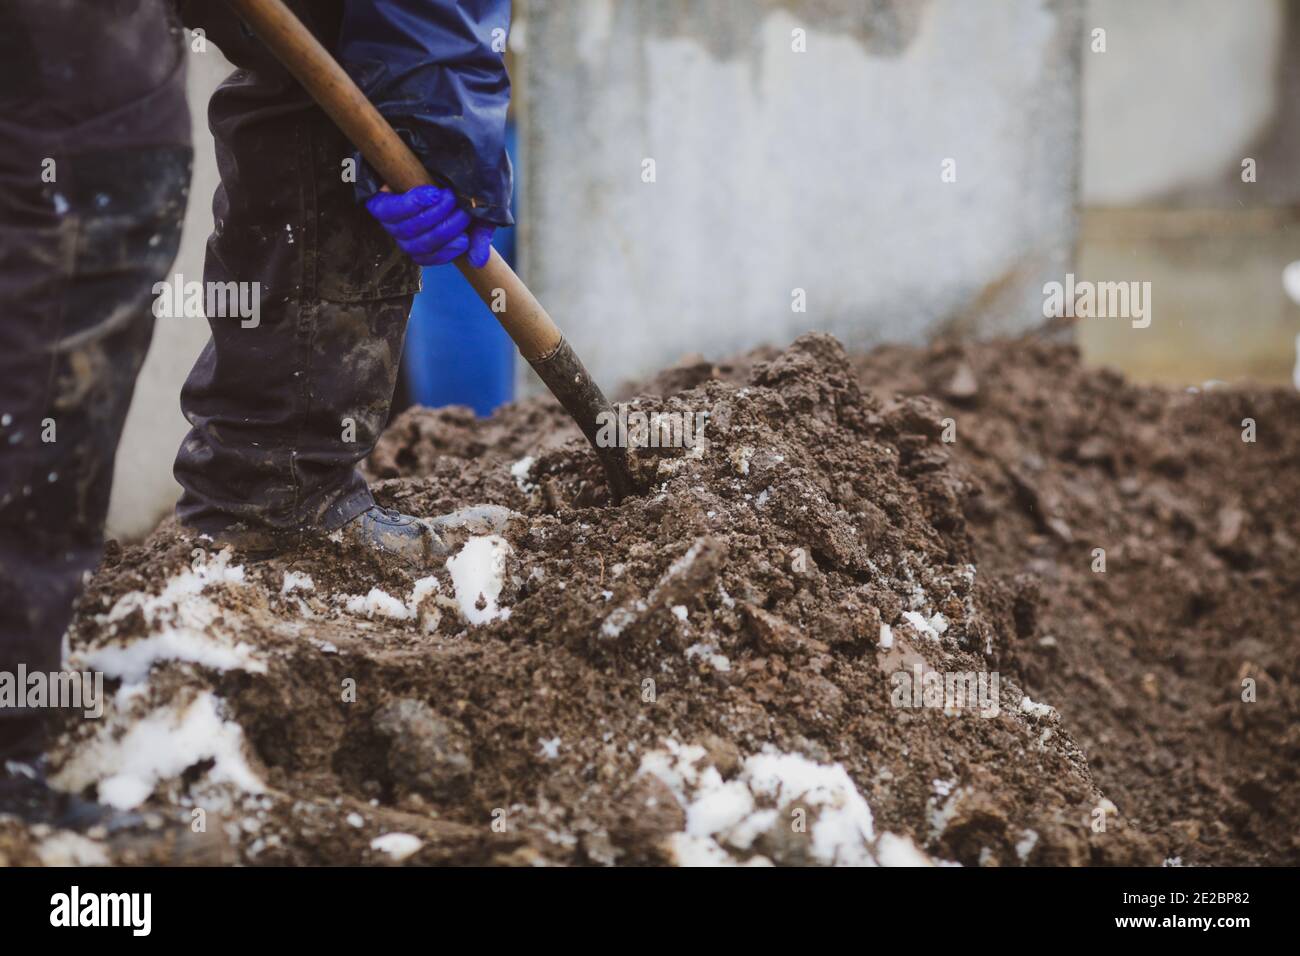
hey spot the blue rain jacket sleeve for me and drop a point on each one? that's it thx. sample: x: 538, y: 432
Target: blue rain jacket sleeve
x: 436, y: 70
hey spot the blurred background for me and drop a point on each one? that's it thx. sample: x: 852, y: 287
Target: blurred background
x: 703, y: 176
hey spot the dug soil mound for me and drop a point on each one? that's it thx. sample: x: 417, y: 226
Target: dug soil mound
x: 1176, y: 668
x: 857, y: 621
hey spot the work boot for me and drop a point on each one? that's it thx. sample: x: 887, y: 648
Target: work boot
x: 26, y: 794
x: 422, y: 540
x: 375, y: 528
x: 392, y: 532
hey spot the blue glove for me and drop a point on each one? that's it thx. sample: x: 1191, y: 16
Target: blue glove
x: 430, y: 227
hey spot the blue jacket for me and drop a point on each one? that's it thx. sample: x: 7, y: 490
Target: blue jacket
x: 436, y: 70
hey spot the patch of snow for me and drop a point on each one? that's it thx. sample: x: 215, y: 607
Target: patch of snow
x: 680, y: 612
x: 430, y: 616
x: 132, y: 662
x: 1028, y: 840
x: 521, y: 470
x: 620, y: 618
x: 378, y: 601
x: 743, y: 459
x: 550, y: 749
x: 689, y: 851
x: 397, y: 845
x: 720, y: 806
x: 176, y: 592
x: 922, y: 626
x: 478, y: 573
x: 886, y: 636
x: 184, y: 623
x: 724, y: 818
x: 160, y: 746
x: 709, y: 652
x: 895, y: 850
x: 294, y: 581
x: 844, y: 823
x: 941, y: 815
x: 65, y: 848
x: 1033, y: 709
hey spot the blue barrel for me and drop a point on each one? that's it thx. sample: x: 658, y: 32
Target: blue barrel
x: 456, y: 352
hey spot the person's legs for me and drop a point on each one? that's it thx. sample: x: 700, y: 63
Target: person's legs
x: 284, y: 409
x: 94, y: 171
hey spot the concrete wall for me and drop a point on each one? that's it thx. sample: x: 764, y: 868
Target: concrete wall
x: 779, y: 170
x: 1184, y: 90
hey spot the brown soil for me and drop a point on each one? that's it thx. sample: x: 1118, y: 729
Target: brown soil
x: 738, y: 606
x: 1201, y: 590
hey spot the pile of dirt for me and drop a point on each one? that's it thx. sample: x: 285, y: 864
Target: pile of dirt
x: 828, y: 633
x: 1177, y: 666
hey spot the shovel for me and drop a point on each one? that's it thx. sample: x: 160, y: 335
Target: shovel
x: 538, y: 338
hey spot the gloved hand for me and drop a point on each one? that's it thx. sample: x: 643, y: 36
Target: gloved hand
x: 430, y: 227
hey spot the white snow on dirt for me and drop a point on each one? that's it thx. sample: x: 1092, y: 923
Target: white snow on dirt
x: 296, y: 581
x: 131, y: 663
x: 184, y: 623
x: 620, y: 618
x: 1025, y: 845
x: 178, y: 589
x: 931, y: 628
x: 724, y: 818
x: 65, y: 848
x: 1034, y: 709
x: 520, y: 470
x: 378, y: 602
x: 397, y: 845
x: 159, y: 746
x: 478, y: 574
x: 709, y: 652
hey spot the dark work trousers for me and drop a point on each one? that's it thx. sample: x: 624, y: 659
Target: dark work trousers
x: 94, y: 172
x: 284, y: 410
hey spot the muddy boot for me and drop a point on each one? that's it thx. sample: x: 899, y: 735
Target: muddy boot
x: 422, y: 541
x: 383, y: 529
x: 418, y: 541
x: 26, y: 794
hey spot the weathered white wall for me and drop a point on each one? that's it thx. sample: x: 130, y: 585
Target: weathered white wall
x: 1183, y: 91
x: 143, y: 487
x: 779, y: 170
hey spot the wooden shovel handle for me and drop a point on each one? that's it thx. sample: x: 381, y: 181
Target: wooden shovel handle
x: 330, y: 86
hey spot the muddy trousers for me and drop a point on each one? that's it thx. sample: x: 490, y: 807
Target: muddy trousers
x: 307, y: 319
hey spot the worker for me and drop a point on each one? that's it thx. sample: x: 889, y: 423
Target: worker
x: 292, y: 390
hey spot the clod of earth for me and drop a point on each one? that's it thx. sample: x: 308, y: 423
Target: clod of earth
x: 737, y: 666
